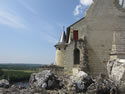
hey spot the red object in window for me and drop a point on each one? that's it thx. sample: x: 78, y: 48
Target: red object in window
x: 75, y: 34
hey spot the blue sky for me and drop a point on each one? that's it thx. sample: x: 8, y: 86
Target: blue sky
x: 29, y: 29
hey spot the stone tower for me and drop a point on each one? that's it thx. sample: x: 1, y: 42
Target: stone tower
x: 60, y: 50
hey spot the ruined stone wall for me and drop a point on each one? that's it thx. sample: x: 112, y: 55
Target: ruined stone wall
x: 102, y: 19
x: 56, y: 70
x: 69, y: 66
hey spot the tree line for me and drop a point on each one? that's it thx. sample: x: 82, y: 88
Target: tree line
x: 15, y: 76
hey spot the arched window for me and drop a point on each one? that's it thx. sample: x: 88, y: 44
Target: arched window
x: 76, y: 56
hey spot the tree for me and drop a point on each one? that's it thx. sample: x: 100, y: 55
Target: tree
x: 1, y: 72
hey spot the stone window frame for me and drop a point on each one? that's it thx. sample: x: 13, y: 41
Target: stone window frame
x: 76, y: 56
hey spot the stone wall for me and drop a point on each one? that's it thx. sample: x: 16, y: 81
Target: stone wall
x: 60, y: 56
x: 102, y: 19
x: 55, y: 69
x: 69, y: 57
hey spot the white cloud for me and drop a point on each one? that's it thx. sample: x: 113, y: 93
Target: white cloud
x: 11, y: 19
x: 27, y: 6
x: 86, y: 2
x: 77, y: 10
x: 80, y: 7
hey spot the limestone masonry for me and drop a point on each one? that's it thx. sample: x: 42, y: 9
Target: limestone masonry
x: 93, y: 40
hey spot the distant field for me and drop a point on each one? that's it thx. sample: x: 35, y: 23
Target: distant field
x: 28, y: 71
x: 20, y: 66
x: 17, y: 72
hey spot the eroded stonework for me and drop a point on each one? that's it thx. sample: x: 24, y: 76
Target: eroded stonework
x: 92, y: 37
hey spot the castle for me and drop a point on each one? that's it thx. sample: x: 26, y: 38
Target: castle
x: 93, y: 40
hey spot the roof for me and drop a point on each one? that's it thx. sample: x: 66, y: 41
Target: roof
x: 77, y: 21
x: 62, y: 38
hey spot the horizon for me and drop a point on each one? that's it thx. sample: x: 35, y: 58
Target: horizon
x: 22, y: 63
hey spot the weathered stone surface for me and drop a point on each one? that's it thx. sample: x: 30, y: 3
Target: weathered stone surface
x: 57, y: 70
x: 91, y: 89
x: 78, y: 76
x: 83, y: 84
x: 102, y: 19
x: 122, y: 87
x: 45, y: 79
x: 4, y: 83
x: 105, y: 85
x: 81, y: 81
x: 116, y: 69
x: 22, y: 91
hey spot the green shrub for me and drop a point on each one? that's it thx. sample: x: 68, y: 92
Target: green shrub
x: 1, y: 72
x: 15, y: 76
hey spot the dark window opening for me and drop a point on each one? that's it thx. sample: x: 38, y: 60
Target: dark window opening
x: 65, y: 48
x: 76, y: 56
x: 75, y: 34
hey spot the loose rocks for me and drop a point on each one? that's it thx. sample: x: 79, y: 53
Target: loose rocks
x: 4, y: 83
x: 46, y: 80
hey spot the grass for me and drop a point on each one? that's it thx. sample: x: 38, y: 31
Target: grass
x: 16, y: 75
x: 17, y: 72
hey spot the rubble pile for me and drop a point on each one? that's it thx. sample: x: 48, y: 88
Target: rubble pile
x: 116, y: 72
x: 116, y: 69
x: 17, y: 90
x: 46, y: 80
x: 4, y: 83
x: 104, y: 85
x: 81, y: 81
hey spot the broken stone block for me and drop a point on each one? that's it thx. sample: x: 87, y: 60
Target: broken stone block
x: 105, y: 85
x: 4, y: 83
x: 81, y: 81
x: 116, y: 70
x: 46, y: 80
